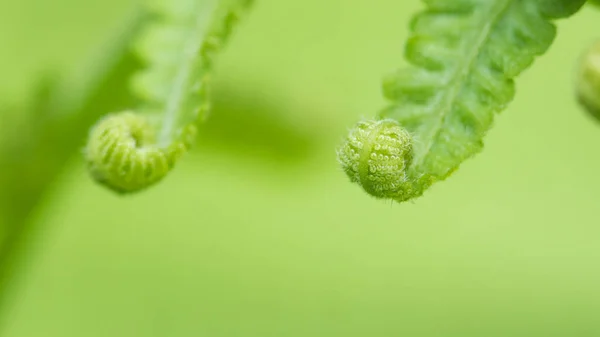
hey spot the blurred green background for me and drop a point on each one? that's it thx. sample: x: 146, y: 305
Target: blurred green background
x: 258, y: 233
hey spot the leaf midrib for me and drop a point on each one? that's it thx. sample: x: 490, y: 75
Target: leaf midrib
x: 447, y: 101
x: 190, y: 56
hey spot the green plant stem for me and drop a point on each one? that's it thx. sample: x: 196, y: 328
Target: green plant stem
x: 58, y: 128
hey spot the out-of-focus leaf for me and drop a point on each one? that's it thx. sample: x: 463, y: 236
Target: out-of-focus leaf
x: 53, y: 126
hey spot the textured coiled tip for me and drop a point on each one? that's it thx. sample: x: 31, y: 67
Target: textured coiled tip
x: 588, y: 81
x: 122, y: 153
x: 376, y: 155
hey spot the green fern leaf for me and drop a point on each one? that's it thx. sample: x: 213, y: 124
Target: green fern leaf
x: 465, y: 55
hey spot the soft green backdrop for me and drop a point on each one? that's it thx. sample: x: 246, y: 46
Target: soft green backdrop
x: 257, y: 233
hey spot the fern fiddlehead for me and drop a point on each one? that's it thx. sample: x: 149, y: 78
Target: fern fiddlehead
x: 465, y: 55
x: 131, y: 150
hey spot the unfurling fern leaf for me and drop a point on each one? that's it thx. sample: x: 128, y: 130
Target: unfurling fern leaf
x: 131, y: 150
x: 464, y: 55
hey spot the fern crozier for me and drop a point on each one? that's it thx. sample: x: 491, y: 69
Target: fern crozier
x: 464, y: 56
x: 130, y: 151
x: 376, y: 155
x: 122, y: 152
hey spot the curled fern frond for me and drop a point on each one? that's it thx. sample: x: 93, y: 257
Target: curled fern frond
x: 465, y: 55
x: 126, y: 144
x: 132, y: 150
x: 376, y: 155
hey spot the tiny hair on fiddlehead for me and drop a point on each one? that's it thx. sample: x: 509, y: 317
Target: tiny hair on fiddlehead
x: 464, y: 56
x: 131, y: 150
